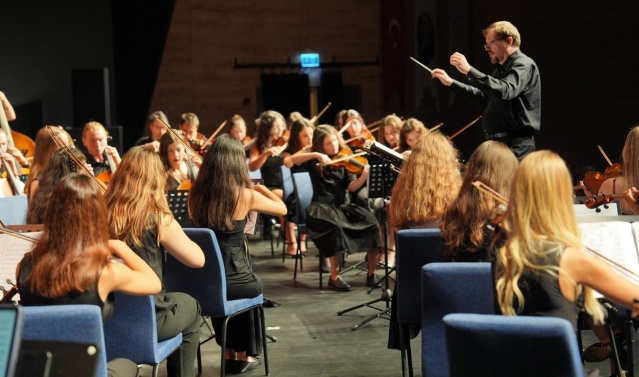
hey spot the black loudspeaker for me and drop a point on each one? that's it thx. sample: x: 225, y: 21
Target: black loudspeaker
x: 91, y: 96
x: 115, y: 132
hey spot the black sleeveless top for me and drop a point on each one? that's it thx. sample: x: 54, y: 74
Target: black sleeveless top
x: 543, y: 295
x: 155, y: 256
x: 89, y: 297
x: 236, y: 261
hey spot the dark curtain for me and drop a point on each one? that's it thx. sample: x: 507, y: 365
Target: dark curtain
x: 286, y: 93
x: 331, y: 90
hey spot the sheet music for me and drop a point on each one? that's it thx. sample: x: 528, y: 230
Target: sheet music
x: 12, y: 249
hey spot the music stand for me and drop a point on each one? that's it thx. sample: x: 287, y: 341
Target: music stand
x: 178, y: 203
x: 380, y: 182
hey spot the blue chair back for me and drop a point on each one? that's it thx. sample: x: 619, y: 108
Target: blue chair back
x: 501, y: 346
x: 131, y: 332
x: 287, y: 181
x: 13, y: 210
x: 304, y: 191
x: 207, y: 284
x: 67, y: 323
x: 450, y: 288
x: 257, y: 174
x: 415, y: 248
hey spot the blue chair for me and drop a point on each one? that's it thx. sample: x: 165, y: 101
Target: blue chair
x: 415, y: 248
x: 304, y: 195
x: 450, y: 288
x: 208, y: 286
x: 13, y: 210
x: 67, y: 323
x: 501, y: 346
x: 132, y: 332
x: 288, y: 189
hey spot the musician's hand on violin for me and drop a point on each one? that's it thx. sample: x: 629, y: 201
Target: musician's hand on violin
x: 196, y: 160
x: 89, y: 168
x: 442, y: 76
x: 152, y: 146
x: 322, y: 158
x: 586, y: 191
x: 274, y: 151
x: 114, y: 154
x: 459, y: 61
x: 631, y: 200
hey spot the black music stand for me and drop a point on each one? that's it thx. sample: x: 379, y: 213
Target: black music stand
x: 381, y: 179
x: 178, y: 203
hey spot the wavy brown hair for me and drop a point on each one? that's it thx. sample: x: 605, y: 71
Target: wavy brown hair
x: 428, y: 184
x: 390, y: 120
x: 266, y: 122
x: 45, y: 148
x: 215, y: 193
x: 59, y: 166
x: 135, y: 197
x: 410, y: 125
x: 71, y: 261
x: 462, y: 225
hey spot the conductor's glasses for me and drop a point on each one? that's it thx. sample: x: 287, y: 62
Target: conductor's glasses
x: 489, y: 43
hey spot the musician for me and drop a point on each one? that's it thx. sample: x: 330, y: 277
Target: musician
x: 7, y: 107
x: 512, y: 93
x: 46, y: 146
x: 465, y: 236
x: 139, y: 215
x: 189, y: 125
x: 95, y: 139
x: 156, y: 129
x: 410, y: 132
x: 541, y: 268
x: 297, y: 152
x: 264, y: 155
x: 223, y: 205
x: 176, y: 161
x: 60, y: 165
x: 238, y: 129
x: 336, y: 225
x: 77, y: 266
x: 388, y: 133
x: 429, y: 183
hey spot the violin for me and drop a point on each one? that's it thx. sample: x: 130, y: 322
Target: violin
x: 596, y: 201
x: 352, y: 163
x: 593, y: 180
x: 360, y: 140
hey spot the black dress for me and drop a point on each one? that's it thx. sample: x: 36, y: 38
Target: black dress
x: 244, y: 331
x: 271, y: 173
x: 334, y: 222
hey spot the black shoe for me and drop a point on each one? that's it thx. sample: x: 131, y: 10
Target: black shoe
x: 338, y: 284
x: 229, y: 366
x: 245, y: 366
x: 270, y: 303
x: 372, y: 280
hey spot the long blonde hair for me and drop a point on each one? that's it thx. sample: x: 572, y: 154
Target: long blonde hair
x: 540, y: 212
x: 429, y: 182
x: 630, y: 155
x: 135, y: 198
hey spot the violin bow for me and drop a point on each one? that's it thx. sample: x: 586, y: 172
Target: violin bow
x: 346, y: 158
x: 436, y: 127
x: 604, y: 154
x: 177, y: 136
x: 375, y: 123
x: 620, y: 268
x: 341, y: 131
x: 73, y: 157
x: 464, y: 128
x: 210, y: 139
x: 486, y: 189
x: 316, y: 117
x: 17, y: 235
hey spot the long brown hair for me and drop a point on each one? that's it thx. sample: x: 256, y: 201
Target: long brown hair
x: 297, y: 127
x: 266, y: 122
x: 135, y: 197
x: 65, y: 261
x: 215, y: 193
x: 462, y: 225
x: 429, y: 182
x: 45, y: 148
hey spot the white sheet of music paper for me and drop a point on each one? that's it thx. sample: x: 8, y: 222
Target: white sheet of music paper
x: 12, y: 249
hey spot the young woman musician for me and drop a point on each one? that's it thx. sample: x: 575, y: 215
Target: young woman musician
x: 388, y: 133
x: 238, y: 130
x: 59, y: 167
x: 78, y: 266
x: 176, y: 161
x: 463, y: 224
x: 541, y: 269
x: 139, y: 215
x: 45, y: 148
x: 334, y: 225
x: 356, y: 132
x: 297, y: 152
x: 410, y: 132
x: 223, y: 205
